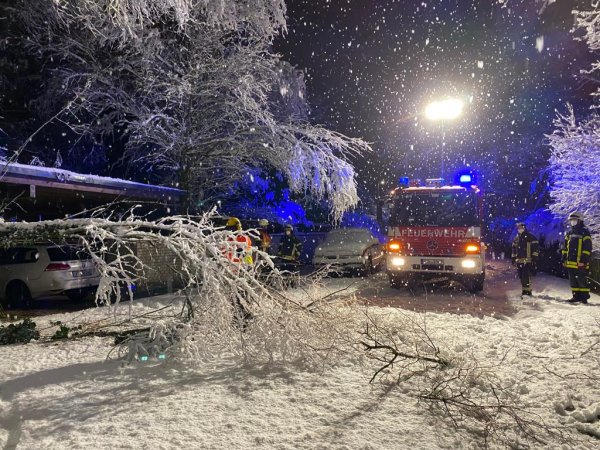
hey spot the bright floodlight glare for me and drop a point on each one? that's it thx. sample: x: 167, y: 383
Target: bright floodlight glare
x: 444, y: 109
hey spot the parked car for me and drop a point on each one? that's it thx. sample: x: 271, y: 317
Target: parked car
x: 34, y: 271
x: 350, y: 249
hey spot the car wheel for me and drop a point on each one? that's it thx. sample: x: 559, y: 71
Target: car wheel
x: 369, y: 268
x: 17, y: 295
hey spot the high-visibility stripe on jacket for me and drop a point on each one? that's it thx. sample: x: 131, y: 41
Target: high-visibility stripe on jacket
x: 290, y: 247
x: 578, y: 247
x: 239, y: 249
x: 525, y: 248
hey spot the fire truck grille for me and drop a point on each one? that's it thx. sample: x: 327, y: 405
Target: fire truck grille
x: 436, y: 249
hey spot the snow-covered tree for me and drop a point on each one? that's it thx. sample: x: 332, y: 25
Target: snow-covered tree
x: 187, y: 87
x: 575, y: 146
x: 575, y: 168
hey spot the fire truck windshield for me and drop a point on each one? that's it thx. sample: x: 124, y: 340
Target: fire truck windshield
x: 450, y: 209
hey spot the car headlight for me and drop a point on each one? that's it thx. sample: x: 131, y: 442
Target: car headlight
x: 396, y: 261
x: 468, y: 263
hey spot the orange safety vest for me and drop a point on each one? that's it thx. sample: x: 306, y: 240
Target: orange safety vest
x: 240, y: 251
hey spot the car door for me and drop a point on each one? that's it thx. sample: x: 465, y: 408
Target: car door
x: 6, y: 270
x: 18, y: 263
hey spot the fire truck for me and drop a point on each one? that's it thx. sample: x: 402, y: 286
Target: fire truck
x: 434, y: 231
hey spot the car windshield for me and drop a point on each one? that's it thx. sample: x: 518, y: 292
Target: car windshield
x: 452, y: 209
x: 344, y: 236
x: 67, y: 253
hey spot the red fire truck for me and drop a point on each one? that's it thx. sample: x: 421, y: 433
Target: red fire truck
x: 435, y: 231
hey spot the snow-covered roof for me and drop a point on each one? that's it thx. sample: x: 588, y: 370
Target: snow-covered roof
x: 15, y: 173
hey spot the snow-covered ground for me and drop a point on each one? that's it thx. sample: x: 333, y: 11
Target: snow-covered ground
x: 68, y: 395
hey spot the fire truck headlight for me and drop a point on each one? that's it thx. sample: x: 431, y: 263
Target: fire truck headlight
x: 398, y: 262
x: 468, y: 263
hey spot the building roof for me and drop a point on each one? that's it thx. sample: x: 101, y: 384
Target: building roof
x: 22, y: 174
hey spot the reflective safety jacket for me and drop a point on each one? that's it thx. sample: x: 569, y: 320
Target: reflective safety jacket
x: 290, y: 248
x: 578, y: 247
x: 525, y: 248
x: 239, y: 249
x: 264, y: 241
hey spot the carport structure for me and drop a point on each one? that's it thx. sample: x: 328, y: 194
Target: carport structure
x: 34, y: 193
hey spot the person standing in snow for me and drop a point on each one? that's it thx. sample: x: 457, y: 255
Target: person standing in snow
x: 241, y: 250
x: 525, y: 252
x: 264, y: 241
x: 290, y: 246
x: 576, y: 255
x: 238, y: 251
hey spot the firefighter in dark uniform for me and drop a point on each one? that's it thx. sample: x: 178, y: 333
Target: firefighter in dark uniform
x: 525, y: 252
x: 576, y: 256
x: 290, y: 246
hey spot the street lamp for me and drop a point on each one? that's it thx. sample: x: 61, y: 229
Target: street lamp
x: 442, y: 111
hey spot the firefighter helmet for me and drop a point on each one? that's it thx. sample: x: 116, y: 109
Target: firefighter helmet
x: 575, y: 216
x: 520, y: 224
x: 263, y: 223
x: 288, y: 227
x: 233, y: 223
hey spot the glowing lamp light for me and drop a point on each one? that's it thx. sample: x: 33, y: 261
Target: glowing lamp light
x: 398, y: 262
x: 394, y: 246
x: 466, y: 177
x: 448, y: 109
x: 472, y: 248
x: 144, y: 358
x: 468, y: 264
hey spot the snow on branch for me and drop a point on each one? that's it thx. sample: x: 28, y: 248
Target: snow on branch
x: 129, y: 17
x: 589, y: 21
x: 470, y: 393
x: 224, y: 306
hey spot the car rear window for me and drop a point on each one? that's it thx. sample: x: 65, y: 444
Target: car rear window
x: 67, y: 253
x: 347, y: 235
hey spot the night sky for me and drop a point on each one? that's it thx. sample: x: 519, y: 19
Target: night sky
x: 372, y: 66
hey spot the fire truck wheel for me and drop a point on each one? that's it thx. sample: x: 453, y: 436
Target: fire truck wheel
x: 474, y: 284
x: 396, y: 281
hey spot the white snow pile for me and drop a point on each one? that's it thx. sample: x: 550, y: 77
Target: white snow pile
x: 544, y: 362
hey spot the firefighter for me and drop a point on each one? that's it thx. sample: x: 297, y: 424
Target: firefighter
x: 290, y: 246
x: 525, y: 252
x: 264, y: 242
x: 242, y: 250
x: 576, y: 255
x: 238, y: 251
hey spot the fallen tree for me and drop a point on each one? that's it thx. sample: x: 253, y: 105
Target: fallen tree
x: 203, y: 322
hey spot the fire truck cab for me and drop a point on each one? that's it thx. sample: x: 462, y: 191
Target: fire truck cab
x: 434, y: 231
